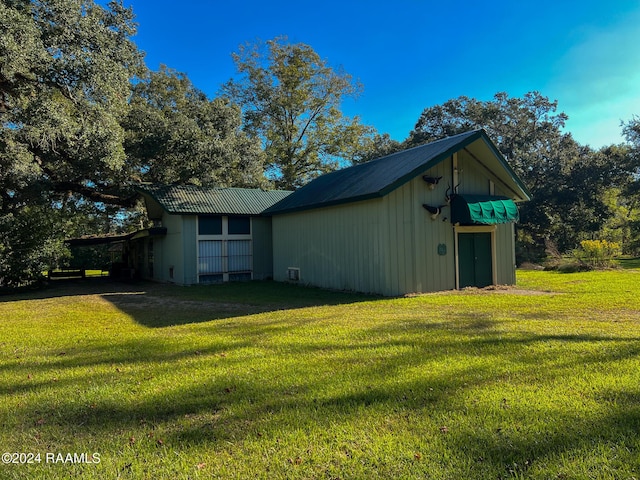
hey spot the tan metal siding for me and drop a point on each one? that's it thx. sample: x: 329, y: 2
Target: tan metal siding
x: 170, y: 254
x: 386, y: 245
x: 190, y: 249
x: 473, y: 178
x: 415, y: 239
x: 506, y: 256
x: 333, y: 247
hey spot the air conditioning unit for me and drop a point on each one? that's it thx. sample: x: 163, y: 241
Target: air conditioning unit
x: 293, y: 274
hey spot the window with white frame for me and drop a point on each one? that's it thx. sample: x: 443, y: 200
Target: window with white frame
x: 224, y: 248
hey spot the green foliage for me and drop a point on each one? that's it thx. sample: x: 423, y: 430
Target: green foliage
x: 290, y: 99
x: 65, y: 92
x: 95, y: 257
x: 65, y: 72
x: 599, y: 253
x: 82, y: 120
x: 175, y: 134
x: 266, y: 380
x: 375, y: 147
x: 29, y: 245
x: 631, y: 190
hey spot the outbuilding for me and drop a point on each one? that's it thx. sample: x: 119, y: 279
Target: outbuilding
x: 435, y: 217
x: 210, y: 235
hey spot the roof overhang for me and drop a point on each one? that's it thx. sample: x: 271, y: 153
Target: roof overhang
x: 92, y: 240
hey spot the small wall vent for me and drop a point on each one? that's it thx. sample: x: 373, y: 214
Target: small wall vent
x: 293, y: 274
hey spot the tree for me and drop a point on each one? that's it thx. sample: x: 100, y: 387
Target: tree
x: 65, y: 71
x: 375, y: 146
x: 567, y: 181
x: 630, y: 191
x: 66, y: 67
x: 290, y: 99
x: 175, y: 134
x: 82, y: 120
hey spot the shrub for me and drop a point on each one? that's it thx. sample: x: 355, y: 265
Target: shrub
x: 599, y: 253
x: 573, y: 267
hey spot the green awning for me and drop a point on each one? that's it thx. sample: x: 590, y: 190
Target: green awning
x: 483, y: 210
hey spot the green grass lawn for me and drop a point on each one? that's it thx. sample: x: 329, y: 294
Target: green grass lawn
x: 265, y: 380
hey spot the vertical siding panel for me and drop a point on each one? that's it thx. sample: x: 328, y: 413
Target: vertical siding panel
x: 393, y: 244
x: 397, y: 236
x: 384, y: 249
x: 357, y: 251
x: 172, y: 251
x: 505, y: 252
x: 190, y: 246
x: 432, y: 268
x: 377, y: 268
x: 374, y: 267
x: 408, y: 265
x: 418, y: 198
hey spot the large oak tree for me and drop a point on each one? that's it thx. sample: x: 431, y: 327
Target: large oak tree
x: 175, y: 134
x: 65, y: 77
x: 82, y: 120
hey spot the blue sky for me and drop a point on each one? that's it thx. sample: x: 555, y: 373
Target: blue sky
x: 413, y: 54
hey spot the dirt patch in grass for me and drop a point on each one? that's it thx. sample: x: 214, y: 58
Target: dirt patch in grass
x: 514, y: 290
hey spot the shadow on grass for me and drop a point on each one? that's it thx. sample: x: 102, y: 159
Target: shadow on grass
x: 629, y: 263
x: 161, y: 305
x: 234, y: 403
x: 243, y: 385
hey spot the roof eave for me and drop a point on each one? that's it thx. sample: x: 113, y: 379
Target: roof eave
x: 148, y: 195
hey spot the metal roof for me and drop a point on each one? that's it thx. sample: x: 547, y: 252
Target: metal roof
x: 193, y: 200
x: 379, y: 177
